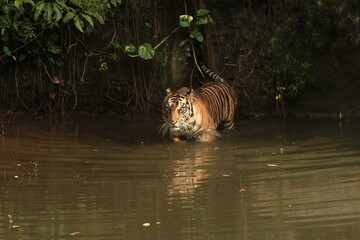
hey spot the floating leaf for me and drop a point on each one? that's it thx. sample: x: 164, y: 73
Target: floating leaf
x: 146, y: 51
x: 185, y: 20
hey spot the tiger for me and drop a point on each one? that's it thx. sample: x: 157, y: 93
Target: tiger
x: 199, y: 114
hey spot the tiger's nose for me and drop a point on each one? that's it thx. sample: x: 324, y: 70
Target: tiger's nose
x: 173, y: 122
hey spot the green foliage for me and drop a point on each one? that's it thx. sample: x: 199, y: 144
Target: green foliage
x: 26, y: 21
x: 289, y: 66
x: 40, y: 38
x: 147, y: 51
x: 185, y: 20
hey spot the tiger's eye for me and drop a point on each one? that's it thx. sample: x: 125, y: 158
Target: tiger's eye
x: 183, y: 109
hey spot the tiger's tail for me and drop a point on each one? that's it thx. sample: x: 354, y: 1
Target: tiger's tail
x: 211, y: 74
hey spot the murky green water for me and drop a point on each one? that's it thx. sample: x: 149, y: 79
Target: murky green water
x: 107, y: 178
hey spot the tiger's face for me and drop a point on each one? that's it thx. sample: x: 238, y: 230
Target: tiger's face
x: 177, y: 113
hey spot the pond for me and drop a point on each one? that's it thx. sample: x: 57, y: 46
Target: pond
x: 80, y: 177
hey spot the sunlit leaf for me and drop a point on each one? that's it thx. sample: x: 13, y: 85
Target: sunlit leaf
x: 130, y: 48
x: 185, y: 20
x: 146, y: 51
x: 18, y: 3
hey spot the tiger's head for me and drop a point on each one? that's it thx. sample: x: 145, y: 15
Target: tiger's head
x: 177, y: 112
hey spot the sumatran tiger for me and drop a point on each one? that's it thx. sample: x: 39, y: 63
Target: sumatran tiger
x: 199, y: 114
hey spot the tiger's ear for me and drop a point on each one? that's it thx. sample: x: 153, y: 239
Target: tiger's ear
x: 168, y: 91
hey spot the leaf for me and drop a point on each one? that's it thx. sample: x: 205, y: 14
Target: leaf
x: 57, y: 12
x: 48, y: 11
x: 202, y: 21
x: 185, y: 20
x: 68, y: 17
x: 115, y: 2
x: 38, y: 11
x: 78, y: 24
x: 146, y: 51
x: 88, y: 19
x: 18, y: 3
x: 202, y: 12
x: 16, y: 25
x: 130, y: 48
x: 197, y: 35
x: 183, y: 42
x: 30, y: 1
x: 3, y: 31
x: 6, y: 51
x: 54, y: 49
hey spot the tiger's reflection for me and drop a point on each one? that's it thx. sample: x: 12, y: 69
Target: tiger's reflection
x: 190, y: 171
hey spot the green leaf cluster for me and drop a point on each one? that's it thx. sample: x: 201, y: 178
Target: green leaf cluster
x: 24, y: 21
x: 147, y: 51
x: 202, y: 17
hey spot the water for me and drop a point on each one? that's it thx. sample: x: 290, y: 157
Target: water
x: 111, y: 178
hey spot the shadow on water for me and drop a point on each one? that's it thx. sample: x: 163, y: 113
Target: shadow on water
x: 112, y: 178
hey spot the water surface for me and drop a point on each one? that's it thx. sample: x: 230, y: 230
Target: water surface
x: 112, y: 178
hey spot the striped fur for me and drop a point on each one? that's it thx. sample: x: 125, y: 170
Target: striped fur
x: 200, y: 114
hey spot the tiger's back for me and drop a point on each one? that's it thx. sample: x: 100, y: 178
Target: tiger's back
x: 220, y: 101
